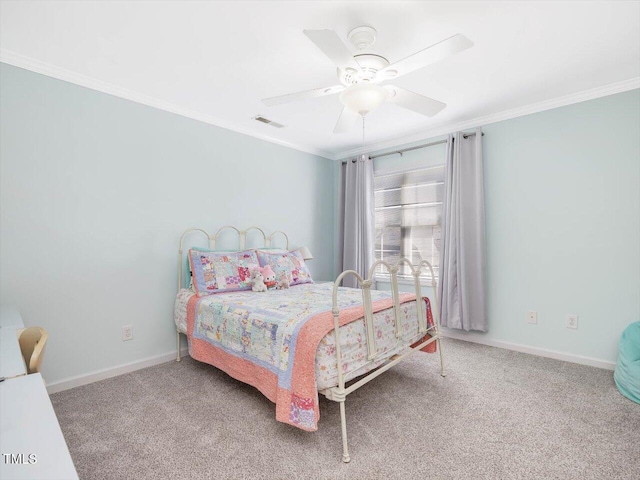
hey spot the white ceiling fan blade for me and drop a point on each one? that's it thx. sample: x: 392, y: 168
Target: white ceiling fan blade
x: 346, y: 121
x: 429, y: 55
x: 331, y: 45
x: 414, y: 102
x: 294, y: 97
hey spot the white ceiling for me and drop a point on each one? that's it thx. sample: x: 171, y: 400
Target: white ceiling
x: 216, y: 60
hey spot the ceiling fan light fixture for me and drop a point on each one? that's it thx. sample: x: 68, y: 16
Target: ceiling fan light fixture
x: 363, y: 98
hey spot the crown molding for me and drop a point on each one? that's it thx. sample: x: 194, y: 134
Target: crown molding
x: 43, y: 68
x: 37, y: 66
x: 446, y: 128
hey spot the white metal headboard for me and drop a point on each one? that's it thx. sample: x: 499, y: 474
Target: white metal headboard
x: 213, y: 239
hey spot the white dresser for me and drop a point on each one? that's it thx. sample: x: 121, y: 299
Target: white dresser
x: 31, y: 443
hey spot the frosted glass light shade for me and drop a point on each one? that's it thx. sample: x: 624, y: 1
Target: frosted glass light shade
x: 363, y: 98
x: 306, y: 253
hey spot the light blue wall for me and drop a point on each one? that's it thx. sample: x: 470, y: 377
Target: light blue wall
x: 563, y: 224
x: 95, y: 193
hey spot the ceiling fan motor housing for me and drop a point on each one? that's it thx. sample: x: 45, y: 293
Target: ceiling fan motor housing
x: 370, y: 64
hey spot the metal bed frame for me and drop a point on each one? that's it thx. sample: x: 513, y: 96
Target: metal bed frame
x: 339, y: 393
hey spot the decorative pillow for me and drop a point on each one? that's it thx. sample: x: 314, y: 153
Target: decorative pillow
x: 186, y: 268
x: 215, y: 272
x: 291, y: 263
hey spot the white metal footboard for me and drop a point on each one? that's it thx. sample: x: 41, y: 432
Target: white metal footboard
x: 339, y: 393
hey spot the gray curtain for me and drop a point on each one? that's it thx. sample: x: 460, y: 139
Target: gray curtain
x: 357, y: 217
x: 462, y: 266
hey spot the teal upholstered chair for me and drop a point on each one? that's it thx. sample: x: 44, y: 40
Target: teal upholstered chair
x: 627, y: 373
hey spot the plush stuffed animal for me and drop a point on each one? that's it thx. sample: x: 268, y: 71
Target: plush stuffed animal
x: 283, y: 281
x: 257, y: 279
x: 269, y: 276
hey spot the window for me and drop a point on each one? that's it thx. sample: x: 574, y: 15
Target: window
x: 408, y: 210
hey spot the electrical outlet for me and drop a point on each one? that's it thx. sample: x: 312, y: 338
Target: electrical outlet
x: 532, y: 318
x: 572, y: 321
x: 127, y: 332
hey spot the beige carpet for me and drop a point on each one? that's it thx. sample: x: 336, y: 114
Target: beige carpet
x: 498, y: 415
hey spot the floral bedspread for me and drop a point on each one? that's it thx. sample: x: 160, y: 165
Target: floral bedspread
x: 269, y: 340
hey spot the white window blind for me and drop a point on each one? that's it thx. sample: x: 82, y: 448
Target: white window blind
x: 408, y: 209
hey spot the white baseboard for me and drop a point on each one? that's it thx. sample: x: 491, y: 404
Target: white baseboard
x: 105, y: 373
x: 541, y: 352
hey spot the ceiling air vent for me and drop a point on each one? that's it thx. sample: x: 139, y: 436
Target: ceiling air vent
x: 262, y: 119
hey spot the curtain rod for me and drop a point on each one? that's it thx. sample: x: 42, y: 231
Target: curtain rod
x: 465, y: 135
x: 439, y: 142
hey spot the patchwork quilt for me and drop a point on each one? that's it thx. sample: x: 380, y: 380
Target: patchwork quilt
x: 269, y: 340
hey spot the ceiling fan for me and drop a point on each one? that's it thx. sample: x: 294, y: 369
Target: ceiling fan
x: 362, y: 73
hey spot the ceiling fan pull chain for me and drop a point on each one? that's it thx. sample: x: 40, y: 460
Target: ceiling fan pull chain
x: 362, y: 131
